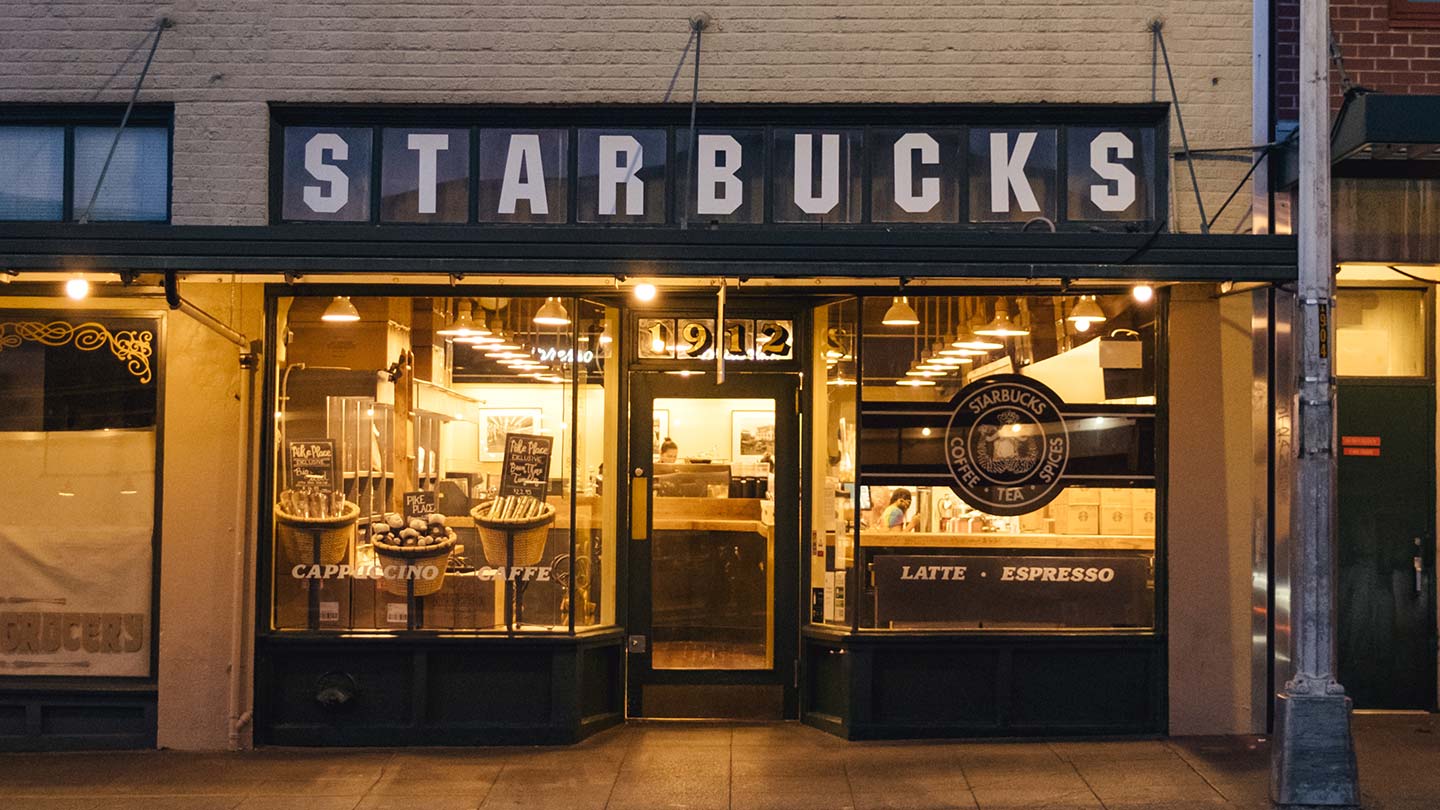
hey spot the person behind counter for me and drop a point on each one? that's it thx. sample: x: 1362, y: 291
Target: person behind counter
x: 893, y: 518
x: 669, y: 451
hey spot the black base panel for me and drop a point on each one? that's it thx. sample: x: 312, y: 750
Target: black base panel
x: 77, y: 720
x: 915, y: 686
x: 436, y: 691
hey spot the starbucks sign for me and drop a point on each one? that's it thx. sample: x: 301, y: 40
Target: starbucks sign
x: 1006, y: 445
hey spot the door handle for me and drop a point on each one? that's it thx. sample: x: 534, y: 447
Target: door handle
x: 1419, y: 575
x: 639, y: 505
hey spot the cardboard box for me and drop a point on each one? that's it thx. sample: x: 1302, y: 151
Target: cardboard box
x: 1082, y: 496
x: 1081, y: 519
x: 1144, y: 500
x: 1117, y: 520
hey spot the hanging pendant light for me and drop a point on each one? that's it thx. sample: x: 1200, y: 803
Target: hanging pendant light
x: 1001, y: 325
x: 552, y: 313
x: 1087, y: 311
x: 505, y: 344
x: 341, y: 311
x: 967, y: 339
x: 464, y: 325
x: 900, y: 313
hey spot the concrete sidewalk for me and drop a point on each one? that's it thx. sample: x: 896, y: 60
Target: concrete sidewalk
x: 715, y: 767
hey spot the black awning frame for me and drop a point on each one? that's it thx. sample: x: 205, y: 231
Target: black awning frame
x: 535, y: 252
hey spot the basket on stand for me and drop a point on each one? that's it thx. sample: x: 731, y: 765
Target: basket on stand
x: 297, y: 535
x: 413, y: 559
x: 529, y: 536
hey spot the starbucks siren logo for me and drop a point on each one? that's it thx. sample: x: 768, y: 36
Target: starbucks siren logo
x: 1006, y: 445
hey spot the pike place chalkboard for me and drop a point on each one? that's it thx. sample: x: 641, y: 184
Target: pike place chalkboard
x: 526, y: 468
x: 311, y: 457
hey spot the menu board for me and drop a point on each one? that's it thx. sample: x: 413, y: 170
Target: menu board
x: 526, y: 468
x: 311, y: 457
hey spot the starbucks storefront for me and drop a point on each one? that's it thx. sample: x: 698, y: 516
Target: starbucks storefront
x: 873, y: 436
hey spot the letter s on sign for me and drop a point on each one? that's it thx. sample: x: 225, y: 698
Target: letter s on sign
x: 1123, y: 180
x: 317, y: 198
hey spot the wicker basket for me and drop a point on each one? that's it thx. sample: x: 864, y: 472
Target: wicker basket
x: 436, y: 554
x: 530, y: 536
x: 296, y: 535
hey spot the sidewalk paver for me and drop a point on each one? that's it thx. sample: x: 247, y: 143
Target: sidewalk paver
x: 699, y: 766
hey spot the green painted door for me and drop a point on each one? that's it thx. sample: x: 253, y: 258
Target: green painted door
x: 1386, y: 494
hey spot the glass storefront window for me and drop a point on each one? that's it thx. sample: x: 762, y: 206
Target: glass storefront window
x: 833, y: 468
x: 1380, y: 333
x: 78, y: 433
x: 462, y: 441
x: 1029, y: 508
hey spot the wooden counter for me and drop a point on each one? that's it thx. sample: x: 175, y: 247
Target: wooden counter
x: 1086, y: 542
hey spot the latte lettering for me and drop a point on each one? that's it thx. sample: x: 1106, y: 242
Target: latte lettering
x: 954, y: 573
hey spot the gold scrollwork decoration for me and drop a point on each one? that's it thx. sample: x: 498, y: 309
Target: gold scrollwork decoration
x: 132, y: 347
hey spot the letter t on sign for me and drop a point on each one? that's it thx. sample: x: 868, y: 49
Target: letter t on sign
x: 428, y: 146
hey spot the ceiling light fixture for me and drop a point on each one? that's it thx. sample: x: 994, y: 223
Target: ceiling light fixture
x: 552, y: 313
x: 900, y: 313
x: 1143, y: 293
x: 77, y: 288
x: 1086, y: 312
x: 339, y: 311
x: 1001, y: 325
x: 645, y: 292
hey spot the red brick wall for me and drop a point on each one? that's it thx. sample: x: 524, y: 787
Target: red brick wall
x: 1287, y: 60
x: 1377, y: 53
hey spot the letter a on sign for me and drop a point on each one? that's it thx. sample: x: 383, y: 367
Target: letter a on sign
x: 524, y: 158
x: 714, y: 177
x: 829, y: 174
x: 621, y: 158
x: 316, y: 197
x: 1007, y: 171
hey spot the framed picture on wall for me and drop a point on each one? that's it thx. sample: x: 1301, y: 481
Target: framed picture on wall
x: 496, y: 422
x: 752, y: 435
x: 661, y: 421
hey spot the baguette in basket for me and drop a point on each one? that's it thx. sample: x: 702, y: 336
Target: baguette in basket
x: 514, y: 529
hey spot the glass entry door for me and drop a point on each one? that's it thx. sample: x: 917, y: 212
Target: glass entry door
x: 715, y: 503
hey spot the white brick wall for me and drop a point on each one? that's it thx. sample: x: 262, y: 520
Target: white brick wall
x: 226, y: 58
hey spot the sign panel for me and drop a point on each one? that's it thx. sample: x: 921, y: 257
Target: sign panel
x: 311, y: 457
x: 1006, y: 444
x: 420, y: 504
x: 526, y: 468
x: 1088, y: 172
x: 983, y: 591
x: 327, y: 174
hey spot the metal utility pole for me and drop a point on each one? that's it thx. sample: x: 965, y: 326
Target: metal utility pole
x: 1313, y: 759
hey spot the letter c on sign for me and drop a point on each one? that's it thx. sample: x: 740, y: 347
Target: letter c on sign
x: 316, y: 197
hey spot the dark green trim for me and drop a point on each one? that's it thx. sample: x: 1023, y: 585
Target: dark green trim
x: 864, y: 252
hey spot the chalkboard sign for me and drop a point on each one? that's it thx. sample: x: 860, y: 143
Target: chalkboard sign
x: 1113, y: 590
x: 420, y: 504
x: 526, y: 469
x: 311, y: 457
